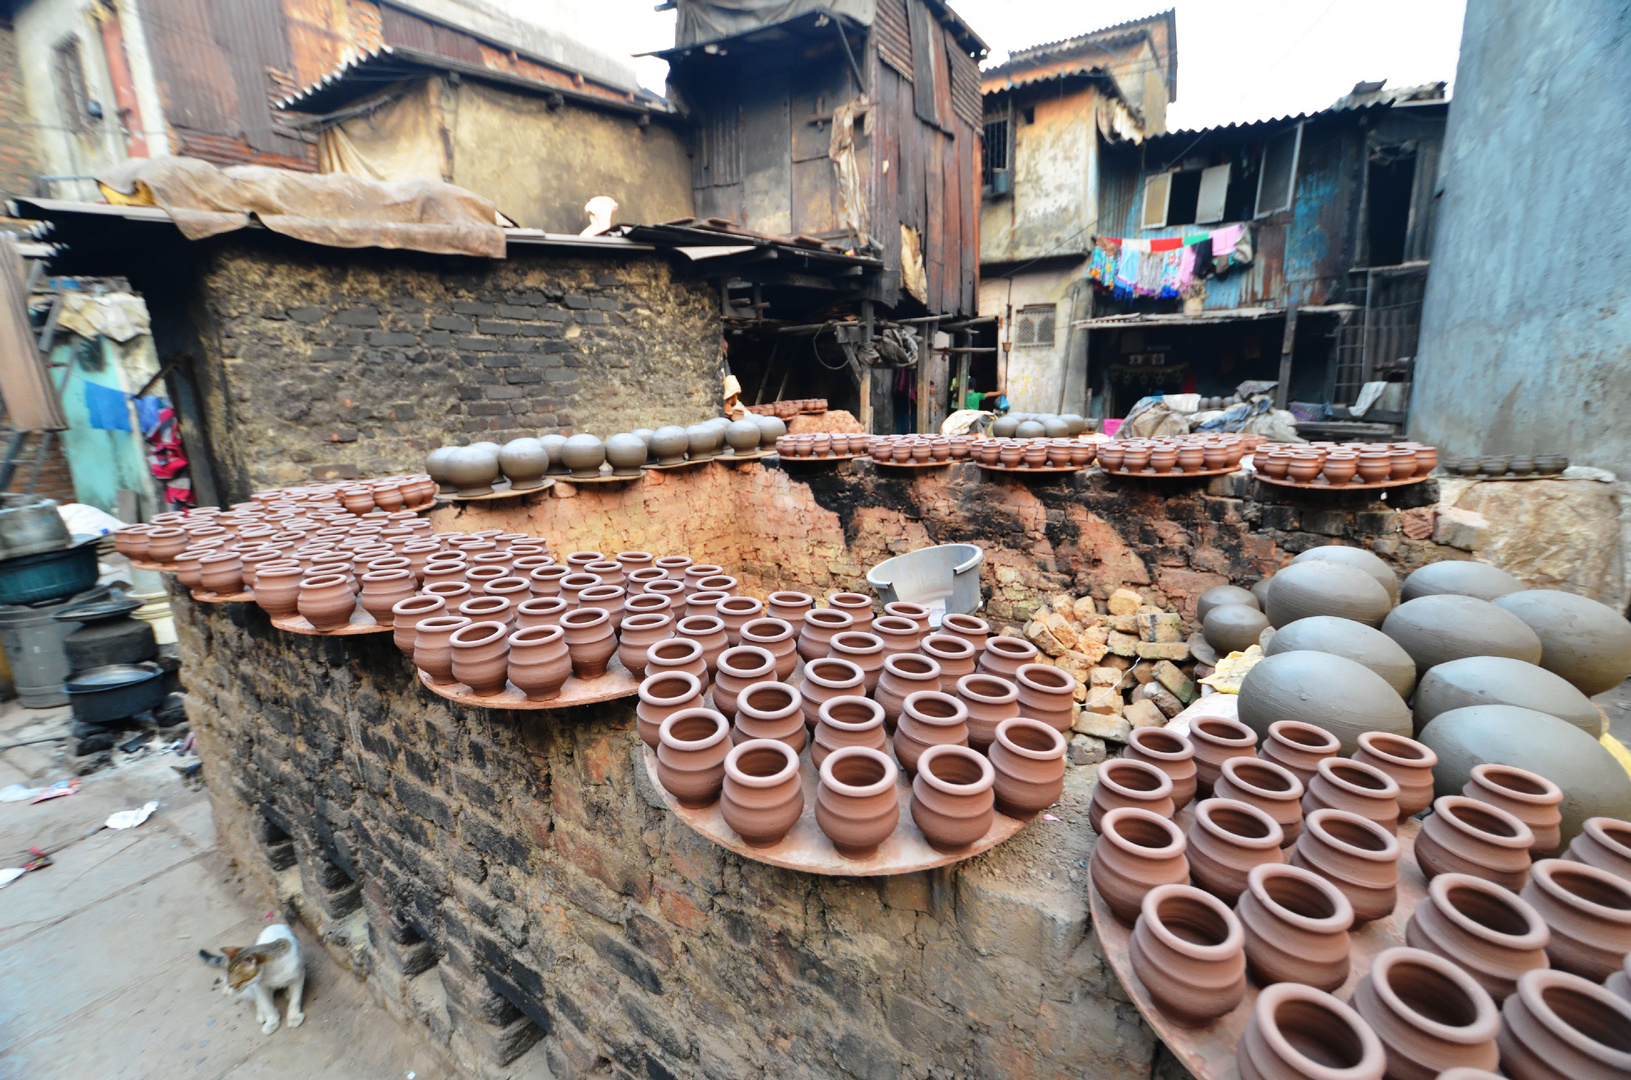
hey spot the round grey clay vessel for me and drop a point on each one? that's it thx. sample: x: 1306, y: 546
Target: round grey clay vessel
x: 1219, y: 595
x: 1462, y: 578
x: 1055, y: 427
x: 1593, y: 783
x: 1340, y: 695
x: 1233, y: 627
x: 524, y: 461
x: 1003, y: 427
x: 1500, y: 680
x: 1358, y: 557
x: 472, y: 469
x: 1587, y: 643
x: 771, y: 428
x: 583, y: 455
x: 1030, y: 429
x: 742, y: 436
x: 701, y: 441
x: 668, y: 444
x: 436, y: 463
x: 485, y: 445
x: 554, y: 445
x: 1075, y: 423
x: 1445, y: 627
x: 1323, y: 587
x: 1261, y: 591
x: 1357, y: 642
x: 626, y: 452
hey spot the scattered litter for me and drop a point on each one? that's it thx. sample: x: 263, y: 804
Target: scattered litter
x: 18, y: 792
x: 1049, y: 817
x: 12, y: 873
x: 58, y: 790
x: 129, y: 819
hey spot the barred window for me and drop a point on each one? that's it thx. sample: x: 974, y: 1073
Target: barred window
x: 995, y: 150
x: 1034, y: 325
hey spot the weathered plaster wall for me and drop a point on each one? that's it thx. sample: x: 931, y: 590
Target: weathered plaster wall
x: 19, y: 159
x: 1044, y: 378
x: 1533, y: 354
x: 319, y: 362
x: 1055, y: 165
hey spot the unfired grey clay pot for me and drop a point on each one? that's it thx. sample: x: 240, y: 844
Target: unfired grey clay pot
x: 1030, y: 429
x: 1360, y: 643
x: 626, y: 452
x: 436, y: 464
x: 1587, y: 643
x: 1075, y: 423
x: 1003, y: 427
x: 583, y: 455
x: 1444, y: 627
x: 771, y: 428
x: 473, y: 468
x: 554, y: 444
x: 1325, y: 587
x: 1593, y: 783
x: 742, y: 436
x: 1233, y: 627
x: 1261, y: 591
x: 1500, y: 680
x: 1355, y: 557
x: 668, y: 444
x: 1475, y: 579
x: 702, y: 441
x: 1335, y: 693
x: 1224, y: 594
x: 524, y: 461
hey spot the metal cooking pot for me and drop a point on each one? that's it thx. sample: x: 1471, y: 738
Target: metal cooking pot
x: 30, y: 525
x: 116, y: 692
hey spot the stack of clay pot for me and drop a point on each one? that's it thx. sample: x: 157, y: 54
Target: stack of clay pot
x: 919, y: 449
x: 1024, y: 425
x: 1502, y: 465
x: 1176, y: 455
x: 976, y: 729
x: 1328, y: 464
x: 824, y: 444
x: 1040, y: 452
x: 786, y: 410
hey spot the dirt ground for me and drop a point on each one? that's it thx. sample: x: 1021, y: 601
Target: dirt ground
x: 99, y: 969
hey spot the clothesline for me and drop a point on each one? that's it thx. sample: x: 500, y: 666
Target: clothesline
x: 1168, y: 267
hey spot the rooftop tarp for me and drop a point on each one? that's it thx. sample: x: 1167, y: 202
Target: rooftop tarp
x: 701, y: 21
x: 331, y: 209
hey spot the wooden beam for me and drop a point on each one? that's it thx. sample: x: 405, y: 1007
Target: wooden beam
x: 1288, y: 345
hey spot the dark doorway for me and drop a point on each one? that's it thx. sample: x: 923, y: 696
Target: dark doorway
x: 1388, y: 202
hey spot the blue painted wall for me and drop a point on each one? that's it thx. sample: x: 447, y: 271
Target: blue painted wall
x: 1526, y: 329
x: 102, y: 462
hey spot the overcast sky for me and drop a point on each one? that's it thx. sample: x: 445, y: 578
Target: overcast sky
x: 1237, y: 59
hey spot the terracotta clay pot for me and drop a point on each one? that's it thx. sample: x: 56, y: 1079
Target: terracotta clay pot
x: 1188, y: 950
x: 608, y: 598
x: 697, y: 573
x: 1299, y: 1033
x: 1407, y: 761
x: 1492, y: 933
x: 1029, y: 759
x: 1529, y: 797
x: 1619, y: 983
x: 954, y: 655
x: 1604, y: 843
x: 736, y: 612
x: 222, y: 573
x: 789, y: 607
x: 674, y: 566
x: 544, y: 581
x: 857, y: 605
x: 898, y: 635
x: 1589, y: 913
x: 953, y: 803
x: 277, y: 591
x: 704, y: 603
x: 326, y: 601
x: 481, y: 656
x: 661, y: 696
x: 1344, y: 784
x: 1137, y: 851
x: 540, y: 611
x: 608, y: 571
x: 903, y: 609
x: 847, y: 721
x: 640, y: 577
x: 1125, y: 782
x: 692, y: 745
x: 903, y: 674
x: 775, y: 636
x: 637, y: 634
x: 539, y: 663
x: 928, y: 718
x: 1559, y: 1026
x: 865, y: 651
x: 825, y: 679
x: 1271, y: 788
x: 707, y: 631
x: 1047, y: 694
x: 1465, y: 836
x: 973, y: 630
x: 817, y: 629
x: 382, y: 590
x: 1004, y: 656
x: 1227, y: 839
x: 1429, y: 1013
x: 989, y: 701
x: 1356, y: 855
x: 1296, y: 925
x: 857, y: 800
x: 770, y: 710
x: 1216, y: 739
x: 577, y: 560
x: 762, y: 796
x: 740, y: 668
x: 489, y: 609
x: 590, y: 641
x: 408, y: 613
x: 433, y: 647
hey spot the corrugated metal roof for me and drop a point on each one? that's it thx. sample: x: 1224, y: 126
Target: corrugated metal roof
x: 1404, y: 96
x: 1034, y: 56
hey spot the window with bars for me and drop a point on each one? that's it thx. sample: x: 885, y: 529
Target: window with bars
x: 72, y: 99
x: 995, y: 155
x: 1033, y: 326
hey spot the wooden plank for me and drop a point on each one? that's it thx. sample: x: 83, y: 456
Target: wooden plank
x: 951, y: 238
x: 884, y: 211
x: 815, y: 198
x: 968, y: 185
x: 925, y: 46
x: 1288, y: 345
x: 767, y: 172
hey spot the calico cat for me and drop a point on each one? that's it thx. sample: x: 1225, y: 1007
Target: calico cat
x: 273, y: 963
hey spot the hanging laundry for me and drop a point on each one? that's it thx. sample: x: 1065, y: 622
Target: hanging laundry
x: 106, y: 408
x: 1167, y: 266
x: 1127, y: 271
x: 1149, y: 275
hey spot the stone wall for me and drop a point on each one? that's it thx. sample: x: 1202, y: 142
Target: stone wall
x: 323, y: 363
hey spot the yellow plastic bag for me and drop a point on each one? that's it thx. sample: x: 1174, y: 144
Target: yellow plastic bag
x: 1232, y: 669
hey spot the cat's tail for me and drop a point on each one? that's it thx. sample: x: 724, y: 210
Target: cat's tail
x: 211, y: 959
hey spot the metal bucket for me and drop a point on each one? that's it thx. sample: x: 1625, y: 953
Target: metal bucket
x: 945, y: 578
x: 32, y: 638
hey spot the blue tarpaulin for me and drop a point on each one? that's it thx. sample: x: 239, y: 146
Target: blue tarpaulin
x: 106, y: 407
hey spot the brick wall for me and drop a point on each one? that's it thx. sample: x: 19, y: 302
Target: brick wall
x: 321, y: 362
x: 18, y: 162
x: 55, y: 481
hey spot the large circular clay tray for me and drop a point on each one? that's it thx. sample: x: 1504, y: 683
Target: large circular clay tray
x: 361, y: 623
x: 912, y: 464
x: 1323, y: 484
x: 807, y: 847
x: 686, y: 464
x: 243, y: 596
x: 1174, y: 474
x: 1036, y: 470
x: 618, y: 682
x: 157, y: 567
x: 505, y: 492
x: 740, y: 459
x: 603, y: 478
x: 827, y: 460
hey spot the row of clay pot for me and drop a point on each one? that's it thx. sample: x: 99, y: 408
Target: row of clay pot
x: 1364, y: 463
x: 1033, y: 453
x: 1186, y: 454
x: 823, y: 444
x: 902, y: 449
x: 790, y: 408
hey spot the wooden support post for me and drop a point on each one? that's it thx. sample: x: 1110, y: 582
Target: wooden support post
x: 866, y: 417
x: 1288, y: 345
